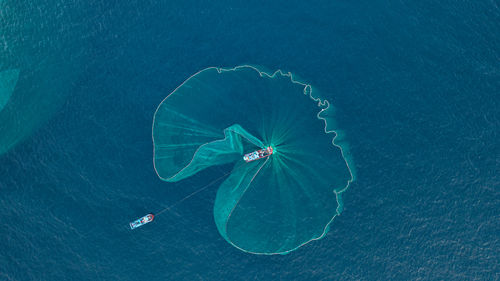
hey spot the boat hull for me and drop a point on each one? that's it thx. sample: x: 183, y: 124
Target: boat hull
x: 142, y: 221
x: 259, y: 154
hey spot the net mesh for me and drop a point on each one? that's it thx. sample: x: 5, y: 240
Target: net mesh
x: 271, y: 205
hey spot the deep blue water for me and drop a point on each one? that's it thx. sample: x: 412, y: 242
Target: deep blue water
x: 416, y: 86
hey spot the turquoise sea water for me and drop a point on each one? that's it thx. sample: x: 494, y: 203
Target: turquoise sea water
x: 415, y: 86
x: 8, y: 81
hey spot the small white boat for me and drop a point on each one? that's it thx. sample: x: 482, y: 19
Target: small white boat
x: 142, y: 221
x: 259, y: 154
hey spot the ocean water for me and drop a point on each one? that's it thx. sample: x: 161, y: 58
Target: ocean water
x: 416, y: 87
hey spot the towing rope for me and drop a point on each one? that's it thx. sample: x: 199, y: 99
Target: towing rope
x: 192, y: 194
